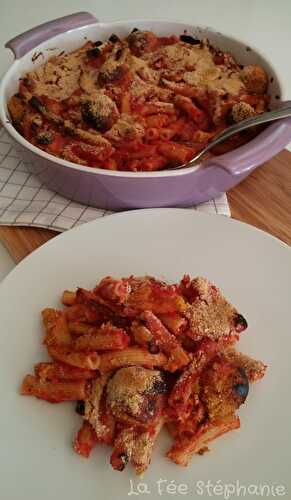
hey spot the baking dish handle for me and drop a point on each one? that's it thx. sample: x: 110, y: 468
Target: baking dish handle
x: 23, y: 43
x: 266, y: 145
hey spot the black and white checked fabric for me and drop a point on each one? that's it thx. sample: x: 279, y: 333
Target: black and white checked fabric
x: 24, y: 201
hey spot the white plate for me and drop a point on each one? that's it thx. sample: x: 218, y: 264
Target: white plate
x: 254, y: 271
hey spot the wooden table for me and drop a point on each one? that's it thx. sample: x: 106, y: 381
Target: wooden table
x: 263, y: 200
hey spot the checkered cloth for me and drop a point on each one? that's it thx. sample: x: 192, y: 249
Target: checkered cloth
x: 25, y: 201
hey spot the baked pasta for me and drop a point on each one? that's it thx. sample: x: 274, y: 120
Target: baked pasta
x: 137, y: 355
x: 143, y: 103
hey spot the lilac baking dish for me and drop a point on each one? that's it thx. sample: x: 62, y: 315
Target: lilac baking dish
x: 121, y: 190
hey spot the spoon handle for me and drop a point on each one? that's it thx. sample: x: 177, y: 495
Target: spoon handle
x: 283, y: 112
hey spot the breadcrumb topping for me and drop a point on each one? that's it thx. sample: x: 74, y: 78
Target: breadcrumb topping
x: 125, y: 128
x: 101, y: 104
x: 126, y: 389
x: 199, y: 67
x: 59, y: 77
x: 92, y: 404
x: 241, y: 111
x: 210, y: 315
x: 192, y: 84
x: 254, y: 368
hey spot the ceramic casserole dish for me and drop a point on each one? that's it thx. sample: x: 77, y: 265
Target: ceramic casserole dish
x: 118, y: 189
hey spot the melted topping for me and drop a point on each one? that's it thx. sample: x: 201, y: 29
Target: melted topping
x: 118, y: 87
x: 199, y: 67
x: 126, y: 128
x: 60, y: 76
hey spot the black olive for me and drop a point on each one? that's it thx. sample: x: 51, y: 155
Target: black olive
x: 114, y: 38
x: 95, y: 52
x: 189, y: 39
x: 229, y: 118
x: 151, y: 407
x: 68, y: 129
x: 118, y: 54
x: 123, y: 461
x: 25, y: 81
x: 160, y: 386
x: 80, y: 407
x: 36, y: 122
x: 37, y: 104
x: 242, y: 388
x: 172, y: 164
x: 98, y: 43
x: 240, y: 323
x: 153, y: 348
x: 45, y: 138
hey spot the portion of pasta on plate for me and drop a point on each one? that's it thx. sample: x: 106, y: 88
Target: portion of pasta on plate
x: 142, y: 103
x: 138, y: 354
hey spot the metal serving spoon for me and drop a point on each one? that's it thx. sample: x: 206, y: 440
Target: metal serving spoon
x: 283, y: 112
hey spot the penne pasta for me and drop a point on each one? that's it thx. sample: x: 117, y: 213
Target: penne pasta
x: 111, y: 164
x: 106, y: 338
x: 157, y: 108
x: 166, y: 342
x: 166, y: 134
x: 197, y: 115
x: 175, y: 322
x: 68, y: 298
x: 144, y: 151
x: 155, y: 296
x: 152, y: 134
x: 151, y: 164
x: 174, y: 151
x: 77, y: 328
x: 132, y: 165
x: 123, y: 448
x: 143, y: 447
x: 135, y: 447
x: 183, y: 450
x: 141, y: 334
x: 81, y: 312
x: 97, y: 413
x: 86, y: 360
x: 130, y: 356
x: 52, y: 372
x: 53, y: 392
x: 85, y: 440
x: 157, y: 121
x: 55, y: 323
x: 87, y: 312
x: 125, y: 104
x: 181, y: 393
x: 108, y: 424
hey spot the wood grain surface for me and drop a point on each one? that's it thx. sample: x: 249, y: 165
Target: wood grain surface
x: 263, y: 200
